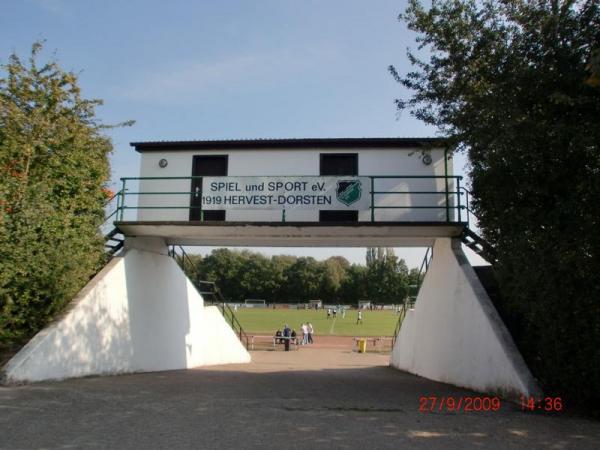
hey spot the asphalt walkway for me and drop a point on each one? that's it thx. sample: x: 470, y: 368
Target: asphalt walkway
x: 307, y: 399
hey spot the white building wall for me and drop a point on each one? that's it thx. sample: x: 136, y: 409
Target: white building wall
x: 140, y: 313
x: 454, y: 334
x: 293, y: 162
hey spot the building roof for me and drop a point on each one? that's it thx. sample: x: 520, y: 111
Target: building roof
x: 240, y: 144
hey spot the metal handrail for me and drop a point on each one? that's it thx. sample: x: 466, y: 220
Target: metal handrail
x: 456, y: 192
x: 185, y: 257
x: 298, y: 176
x: 235, y: 323
x: 424, y: 264
x: 405, y: 305
x: 107, y: 236
x: 221, y: 303
x: 467, y: 206
x: 107, y: 202
x: 226, y: 310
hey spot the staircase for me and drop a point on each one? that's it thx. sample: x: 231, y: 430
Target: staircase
x: 210, y: 293
x: 478, y: 245
x: 113, y: 238
x: 113, y: 241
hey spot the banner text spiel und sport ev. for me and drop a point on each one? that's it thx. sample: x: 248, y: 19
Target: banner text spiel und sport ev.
x: 331, y: 193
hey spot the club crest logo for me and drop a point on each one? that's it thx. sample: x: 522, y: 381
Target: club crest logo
x: 348, y: 191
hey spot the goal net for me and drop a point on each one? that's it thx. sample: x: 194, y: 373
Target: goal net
x: 255, y: 303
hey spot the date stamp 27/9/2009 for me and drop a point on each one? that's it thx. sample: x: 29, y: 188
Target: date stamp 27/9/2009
x: 429, y: 404
x: 459, y: 404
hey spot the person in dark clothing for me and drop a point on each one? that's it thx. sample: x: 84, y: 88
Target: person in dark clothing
x: 294, y: 337
x: 287, y: 332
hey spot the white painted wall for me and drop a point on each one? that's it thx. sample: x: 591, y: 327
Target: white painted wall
x: 140, y: 313
x: 454, y: 334
x: 293, y: 162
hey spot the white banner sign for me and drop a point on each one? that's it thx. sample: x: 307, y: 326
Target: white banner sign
x: 327, y: 193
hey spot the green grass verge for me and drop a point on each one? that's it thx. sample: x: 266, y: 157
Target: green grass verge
x: 267, y: 321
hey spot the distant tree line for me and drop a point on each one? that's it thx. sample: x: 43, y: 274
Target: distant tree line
x: 244, y: 275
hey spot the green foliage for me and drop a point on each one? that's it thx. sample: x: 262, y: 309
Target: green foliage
x: 515, y: 84
x: 289, y: 279
x: 53, y: 166
x: 386, y: 277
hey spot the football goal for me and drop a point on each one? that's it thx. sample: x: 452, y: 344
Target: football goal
x: 255, y: 303
x: 315, y: 304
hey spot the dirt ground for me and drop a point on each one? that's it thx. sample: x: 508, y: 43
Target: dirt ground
x: 313, y: 398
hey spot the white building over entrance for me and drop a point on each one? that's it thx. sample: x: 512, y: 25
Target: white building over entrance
x: 403, y: 179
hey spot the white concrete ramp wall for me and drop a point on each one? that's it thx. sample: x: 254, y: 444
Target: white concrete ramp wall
x: 140, y: 313
x: 455, y: 335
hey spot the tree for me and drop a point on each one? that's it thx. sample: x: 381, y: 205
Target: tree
x: 514, y: 84
x: 257, y: 278
x: 280, y: 265
x: 53, y: 170
x: 354, y: 285
x: 414, y: 281
x: 225, y: 268
x: 386, y: 276
x: 304, y: 280
x: 289, y: 279
x: 334, y: 270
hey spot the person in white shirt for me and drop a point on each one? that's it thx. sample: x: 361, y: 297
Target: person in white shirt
x: 304, y: 334
x: 311, y: 330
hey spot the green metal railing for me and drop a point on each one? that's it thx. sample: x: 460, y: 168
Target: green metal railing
x: 212, y: 293
x: 209, y: 292
x: 448, y: 198
x: 410, y: 300
x: 113, y: 240
x: 110, y: 212
x: 184, y: 261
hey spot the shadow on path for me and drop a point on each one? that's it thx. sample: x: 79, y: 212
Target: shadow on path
x: 281, y: 400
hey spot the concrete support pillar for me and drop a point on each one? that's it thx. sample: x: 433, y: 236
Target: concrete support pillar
x: 455, y: 335
x: 139, y: 314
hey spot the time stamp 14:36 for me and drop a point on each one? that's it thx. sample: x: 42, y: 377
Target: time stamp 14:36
x: 548, y: 404
x: 486, y: 403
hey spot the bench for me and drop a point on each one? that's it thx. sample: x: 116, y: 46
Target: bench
x: 377, y: 343
x: 282, y: 339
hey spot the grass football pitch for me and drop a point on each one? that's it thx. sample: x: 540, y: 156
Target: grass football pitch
x: 263, y: 321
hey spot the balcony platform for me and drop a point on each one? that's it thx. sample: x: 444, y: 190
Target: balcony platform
x: 294, y: 234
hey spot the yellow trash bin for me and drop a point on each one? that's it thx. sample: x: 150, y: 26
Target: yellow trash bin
x: 362, y: 346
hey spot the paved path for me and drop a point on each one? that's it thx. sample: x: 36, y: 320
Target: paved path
x: 309, y: 399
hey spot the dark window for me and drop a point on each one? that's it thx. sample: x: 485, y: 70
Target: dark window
x: 206, y: 166
x: 338, y: 164
x: 338, y: 216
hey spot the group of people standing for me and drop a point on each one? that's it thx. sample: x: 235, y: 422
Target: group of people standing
x: 334, y: 311
x: 307, y: 333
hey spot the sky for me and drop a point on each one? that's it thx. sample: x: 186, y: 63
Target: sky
x: 228, y: 69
